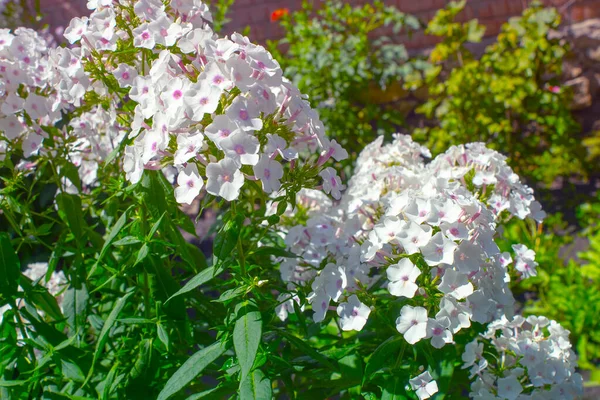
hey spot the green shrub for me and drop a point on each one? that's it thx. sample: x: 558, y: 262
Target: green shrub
x: 508, y: 98
x: 331, y: 54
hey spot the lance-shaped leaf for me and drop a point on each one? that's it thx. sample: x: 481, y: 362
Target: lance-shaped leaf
x: 191, y: 368
x: 256, y: 386
x: 9, y: 267
x: 246, y: 338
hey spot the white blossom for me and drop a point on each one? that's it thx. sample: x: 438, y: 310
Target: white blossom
x: 353, y: 314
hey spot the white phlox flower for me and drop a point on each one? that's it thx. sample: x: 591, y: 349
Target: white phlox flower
x: 402, y: 277
x: 424, y: 385
x: 353, y: 314
x: 412, y: 323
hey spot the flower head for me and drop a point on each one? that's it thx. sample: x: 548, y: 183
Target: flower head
x: 424, y: 385
x: 353, y: 314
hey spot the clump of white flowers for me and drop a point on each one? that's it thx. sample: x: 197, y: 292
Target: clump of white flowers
x: 27, y: 100
x: 523, y: 359
x: 425, y: 232
x: 415, y: 234
x: 40, y: 89
x: 218, y: 109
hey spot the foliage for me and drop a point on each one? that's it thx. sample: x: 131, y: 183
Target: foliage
x: 331, y: 54
x: 509, y: 98
x: 102, y: 296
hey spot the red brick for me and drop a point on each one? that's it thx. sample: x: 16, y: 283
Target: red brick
x: 499, y: 8
x: 515, y: 7
x: 467, y: 14
x: 413, y: 6
x: 482, y: 10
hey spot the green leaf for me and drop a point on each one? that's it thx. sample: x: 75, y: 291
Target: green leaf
x: 256, y: 386
x: 163, y: 286
x: 231, y: 294
x: 163, y: 335
x: 10, y: 268
x: 126, y: 241
x: 275, y: 251
x: 69, y: 171
x: 113, y: 154
x: 4, y: 383
x: 142, y: 254
x: 75, y: 303
x: 307, y: 349
x: 190, y: 369
x: 135, y: 321
x: 108, y: 324
x: 109, y: 381
x: 142, y: 367
x: 246, y: 338
x: 351, y: 367
x: 71, y: 370
x: 200, y: 278
x: 226, y: 239
x: 381, y: 356
x: 155, y: 227
x: 66, y: 343
x: 69, y: 207
x: 40, y: 296
x: 394, y: 390
x: 114, y: 231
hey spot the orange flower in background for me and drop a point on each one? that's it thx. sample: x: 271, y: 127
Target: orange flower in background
x: 279, y: 13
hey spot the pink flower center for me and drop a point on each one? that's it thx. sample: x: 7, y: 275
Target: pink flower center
x: 239, y: 149
x: 177, y: 94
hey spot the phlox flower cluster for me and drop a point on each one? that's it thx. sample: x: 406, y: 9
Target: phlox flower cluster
x: 217, y: 109
x: 419, y: 237
x: 39, y: 86
x: 95, y: 134
x: 421, y: 234
x: 27, y: 100
x: 523, y: 359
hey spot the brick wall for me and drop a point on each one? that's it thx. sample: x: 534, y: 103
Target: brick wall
x: 256, y: 14
x: 491, y: 13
